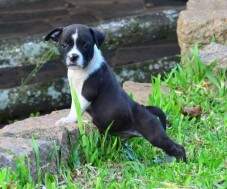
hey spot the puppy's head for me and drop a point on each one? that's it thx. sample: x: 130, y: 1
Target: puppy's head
x: 77, y: 43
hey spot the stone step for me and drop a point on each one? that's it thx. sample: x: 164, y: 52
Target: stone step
x: 10, y: 29
x: 23, y: 16
x: 139, y: 54
x: 151, y: 3
x: 16, y: 5
x: 56, y: 69
x: 49, y: 71
x: 54, y: 13
x: 139, y: 30
x: 133, y: 39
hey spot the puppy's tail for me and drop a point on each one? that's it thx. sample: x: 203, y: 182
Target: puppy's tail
x: 159, y: 113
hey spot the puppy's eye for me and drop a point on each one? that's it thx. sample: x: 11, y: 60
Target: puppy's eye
x: 64, y: 45
x: 85, y: 45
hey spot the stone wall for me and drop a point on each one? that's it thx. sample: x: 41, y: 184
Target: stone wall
x: 134, y: 39
x: 29, y: 17
x: 137, y: 32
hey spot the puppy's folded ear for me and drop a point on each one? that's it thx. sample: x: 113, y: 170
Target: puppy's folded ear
x: 54, y: 35
x: 98, y: 36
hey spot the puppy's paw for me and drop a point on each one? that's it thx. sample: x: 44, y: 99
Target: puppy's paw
x: 64, y: 121
x: 181, y: 154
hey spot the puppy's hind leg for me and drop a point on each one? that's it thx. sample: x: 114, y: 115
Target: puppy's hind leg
x: 159, y: 113
x: 151, y: 129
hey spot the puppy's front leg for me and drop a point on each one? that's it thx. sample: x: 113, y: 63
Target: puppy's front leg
x: 70, y: 118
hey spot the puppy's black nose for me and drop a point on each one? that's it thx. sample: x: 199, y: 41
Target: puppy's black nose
x: 74, y: 57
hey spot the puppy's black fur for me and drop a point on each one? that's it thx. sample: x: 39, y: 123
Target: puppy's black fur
x: 159, y: 113
x: 111, y: 105
x: 108, y: 102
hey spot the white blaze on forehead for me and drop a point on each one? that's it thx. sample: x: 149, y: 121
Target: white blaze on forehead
x: 75, y: 50
x: 75, y: 36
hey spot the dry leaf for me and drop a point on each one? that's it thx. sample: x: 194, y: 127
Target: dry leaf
x: 193, y: 111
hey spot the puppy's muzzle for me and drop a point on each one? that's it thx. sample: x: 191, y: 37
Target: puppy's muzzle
x: 73, y: 59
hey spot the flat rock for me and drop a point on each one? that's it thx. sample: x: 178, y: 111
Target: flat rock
x: 215, y: 52
x: 202, y: 21
x: 42, y: 127
x: 16, y: 140
x: 13, y: 148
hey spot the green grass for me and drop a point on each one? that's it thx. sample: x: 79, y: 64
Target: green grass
x: 107, y: 162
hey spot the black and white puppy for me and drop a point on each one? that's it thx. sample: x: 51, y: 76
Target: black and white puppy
x: 100, y: 94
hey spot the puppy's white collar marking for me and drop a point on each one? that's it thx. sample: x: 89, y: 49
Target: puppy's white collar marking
x: 96, y: 62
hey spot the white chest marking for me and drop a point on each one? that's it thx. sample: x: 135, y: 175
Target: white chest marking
x: 76, y: 78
